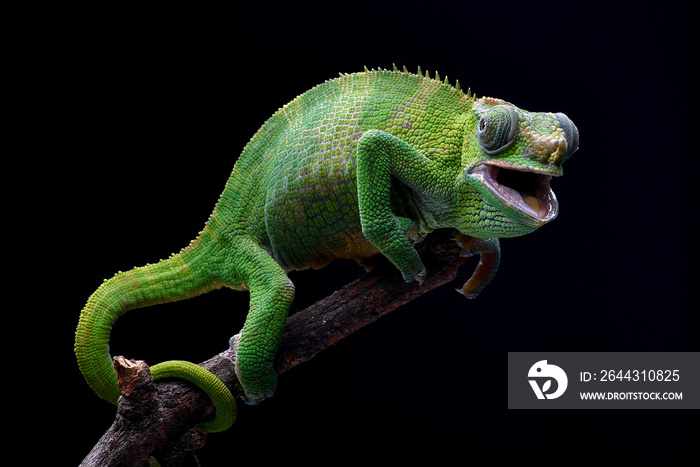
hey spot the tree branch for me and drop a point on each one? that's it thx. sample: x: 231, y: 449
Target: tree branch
x: 161, y: 418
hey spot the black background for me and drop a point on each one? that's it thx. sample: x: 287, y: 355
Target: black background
x: 127, y: 119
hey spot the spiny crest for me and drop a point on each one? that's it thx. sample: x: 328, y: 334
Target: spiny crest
x: 395, y: 69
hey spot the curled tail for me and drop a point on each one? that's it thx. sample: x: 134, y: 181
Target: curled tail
x: 181, y: 276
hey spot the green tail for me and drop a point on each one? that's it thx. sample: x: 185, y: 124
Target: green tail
x: 181, y: 276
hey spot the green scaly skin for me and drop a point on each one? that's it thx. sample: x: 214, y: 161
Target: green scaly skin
x: 181, y: 276
x: 363, y: 164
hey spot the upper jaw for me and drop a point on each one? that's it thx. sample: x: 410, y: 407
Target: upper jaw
x: 525, y: 189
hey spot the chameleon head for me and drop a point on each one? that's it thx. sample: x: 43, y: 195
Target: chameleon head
x: 509, y: 157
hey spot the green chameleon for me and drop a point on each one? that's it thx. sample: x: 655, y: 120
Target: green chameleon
x: 363, y: 164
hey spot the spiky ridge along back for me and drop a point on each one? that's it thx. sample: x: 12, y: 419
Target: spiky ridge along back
x: 395, y: 69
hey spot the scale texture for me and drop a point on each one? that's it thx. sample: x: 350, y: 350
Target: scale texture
x: 360, y: 165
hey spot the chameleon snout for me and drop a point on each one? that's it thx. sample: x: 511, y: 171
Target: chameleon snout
x: 565, y: 147
x: 551, y: 141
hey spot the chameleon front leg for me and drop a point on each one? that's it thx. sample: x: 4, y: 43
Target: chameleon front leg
x: 379, y: 157
x: 271, y: 294
x: 489, y: 252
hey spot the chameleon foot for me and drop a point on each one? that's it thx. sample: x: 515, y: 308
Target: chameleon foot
x: 259, y: 381
x: 490, y: 254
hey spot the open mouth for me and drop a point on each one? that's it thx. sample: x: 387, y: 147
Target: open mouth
x: 528, y: 192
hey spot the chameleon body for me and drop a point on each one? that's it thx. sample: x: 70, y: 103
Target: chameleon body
x: 360, y: 165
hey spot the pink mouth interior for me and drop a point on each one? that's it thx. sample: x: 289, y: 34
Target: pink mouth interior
x: 528, y: 192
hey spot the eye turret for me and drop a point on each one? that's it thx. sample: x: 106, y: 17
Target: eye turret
x: 497, y: 129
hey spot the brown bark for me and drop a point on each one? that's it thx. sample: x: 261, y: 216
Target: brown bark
x: 160, y: 418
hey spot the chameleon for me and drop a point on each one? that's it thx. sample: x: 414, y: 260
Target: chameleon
x: 364, y: 164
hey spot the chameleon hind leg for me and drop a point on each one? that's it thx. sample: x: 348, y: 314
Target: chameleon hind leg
x: 271, y: 294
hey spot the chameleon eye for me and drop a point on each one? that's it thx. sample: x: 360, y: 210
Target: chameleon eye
x: 497, y: 129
